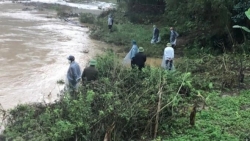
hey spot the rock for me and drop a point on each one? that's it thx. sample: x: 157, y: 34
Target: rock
x: 86, y: 51
x: 49, y: 17
x: 100, y: 6
x: 27, y: 9
x: 84, y: 26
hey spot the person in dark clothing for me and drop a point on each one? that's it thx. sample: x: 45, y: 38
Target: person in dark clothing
x: 173, y: 36
x: 90, y: 73
x: 156, y: 33
x: 110, y: 23
x: 140, y: 59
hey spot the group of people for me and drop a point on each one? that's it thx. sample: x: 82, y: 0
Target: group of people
x: 137, y: 58
x: 156, y: 36
x: 156, y: 32
x: 74, y: 74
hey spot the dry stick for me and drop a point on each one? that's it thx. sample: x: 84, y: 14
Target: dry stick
x: 231, y: 38
x: 157, y: 113
x: 108, y: 132
x: 168, y: 103
x: 224, y: 63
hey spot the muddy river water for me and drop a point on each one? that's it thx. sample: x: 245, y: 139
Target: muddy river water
x: 33, y: 52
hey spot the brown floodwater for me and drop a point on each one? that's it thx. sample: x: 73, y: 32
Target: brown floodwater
x: 33, y: 52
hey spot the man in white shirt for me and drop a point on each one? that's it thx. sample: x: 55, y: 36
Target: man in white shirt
x: 168, y: 56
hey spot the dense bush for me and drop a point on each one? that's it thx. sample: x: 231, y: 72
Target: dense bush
x: 87, y: 18
x: 122, y: 105
x: 124, y: 98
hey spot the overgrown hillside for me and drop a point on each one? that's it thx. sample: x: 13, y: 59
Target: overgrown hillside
x: 203, y: 25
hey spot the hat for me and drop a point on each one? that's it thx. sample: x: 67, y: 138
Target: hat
x: 71, y: 58
x: 169, y: 45
x: 141, y: 49
x: 133, y: 41
x: 154, y: 26
x: 92, y: 62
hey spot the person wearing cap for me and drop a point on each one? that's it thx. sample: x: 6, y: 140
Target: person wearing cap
x: 133, y: 51
x: 140, y: 59
x: 90, y: 73
x: 156, y: 36
x: 173, y: 36
x: 74, y: 73
x: 168, y: 57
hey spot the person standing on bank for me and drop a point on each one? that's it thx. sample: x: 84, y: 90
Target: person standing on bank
x: 156, y: 35
x: 131, y: 54
x: 168, y: 57
x: 140, y: 59
x: 73, y: 74
x: 173, y: 36
x: 110, y: 23
x: 90, y: 73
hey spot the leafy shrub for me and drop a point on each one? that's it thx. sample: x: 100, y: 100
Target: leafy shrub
x: 223, y: 71
x: 87, y: 18
x: 63, y: 11
x: 122, y: 97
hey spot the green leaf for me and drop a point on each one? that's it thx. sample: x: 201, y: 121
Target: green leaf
x: 246, y: 29
x: 242, y: 27
x: 248, y: 13
x: 210, y: 85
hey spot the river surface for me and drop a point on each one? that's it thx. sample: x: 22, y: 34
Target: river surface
x: 33, y: 52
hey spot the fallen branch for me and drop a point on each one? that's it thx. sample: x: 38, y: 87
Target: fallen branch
x: 108, y: 133
x: 157, y: 113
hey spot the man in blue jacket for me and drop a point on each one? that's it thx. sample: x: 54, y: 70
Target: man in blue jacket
x: 133, y: 52
x: 73, y: 74
x: 129, y: 57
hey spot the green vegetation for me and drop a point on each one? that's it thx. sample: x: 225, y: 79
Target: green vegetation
x: 123, y: 32
x: 121, y: 96
x: 155, y: 104
x: 87, y: 18
x: 225, y: 119
x: 123, y: 103
x: 202, y: 25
